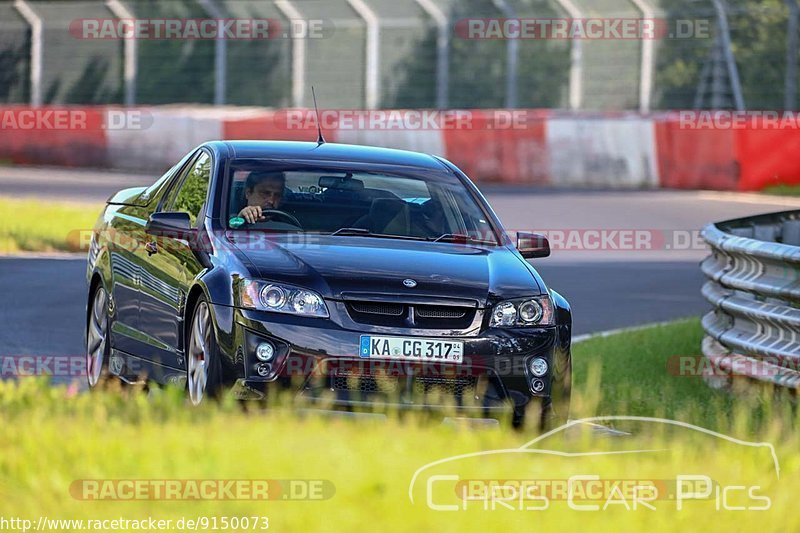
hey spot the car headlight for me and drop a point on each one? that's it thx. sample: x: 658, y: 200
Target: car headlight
x: 280, y: 298
x: 522, y: 312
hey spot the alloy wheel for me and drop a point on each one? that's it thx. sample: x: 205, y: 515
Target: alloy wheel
x: 97, y: 338
x: 198, y: 354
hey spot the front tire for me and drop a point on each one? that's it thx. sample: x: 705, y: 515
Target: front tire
x: 97, y: 343
x: 202, y: 356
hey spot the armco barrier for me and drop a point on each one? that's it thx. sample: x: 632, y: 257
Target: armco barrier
x: 754, y: 285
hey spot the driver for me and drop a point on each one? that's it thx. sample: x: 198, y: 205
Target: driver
x: 262, y: 190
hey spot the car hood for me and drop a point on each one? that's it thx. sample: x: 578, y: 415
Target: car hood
x: 340, y: 267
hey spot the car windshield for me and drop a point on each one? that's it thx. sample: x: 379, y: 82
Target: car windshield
x: 265, y: 196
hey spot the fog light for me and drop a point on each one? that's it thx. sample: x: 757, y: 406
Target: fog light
x: 263, y: 370
x: 537, y: 385
x: 265, y: 351
x: 538, y: 367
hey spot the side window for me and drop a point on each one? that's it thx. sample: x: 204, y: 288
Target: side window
x: 190, y: 195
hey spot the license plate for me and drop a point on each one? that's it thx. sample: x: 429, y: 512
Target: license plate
x: 411, y: 349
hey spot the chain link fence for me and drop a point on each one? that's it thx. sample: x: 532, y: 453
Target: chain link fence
x: 720, y: 54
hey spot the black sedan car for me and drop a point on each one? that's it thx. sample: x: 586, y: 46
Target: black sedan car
x: 354, y: 277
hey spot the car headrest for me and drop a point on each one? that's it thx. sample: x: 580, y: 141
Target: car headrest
x: 390, y: 215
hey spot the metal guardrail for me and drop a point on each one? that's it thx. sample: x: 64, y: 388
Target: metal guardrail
x: 754, y: 285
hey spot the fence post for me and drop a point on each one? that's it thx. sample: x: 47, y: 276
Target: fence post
x: 646, y: 66
x: 129, y: 51
x: 512, y: 57
x: 298, y: 53
x: 37, y: 49
x: 575, y: 60
x: 442, y: 51
x: 220, y: 52
x: 730, y: 62
x: 790, y: 83
x: 373, y: 51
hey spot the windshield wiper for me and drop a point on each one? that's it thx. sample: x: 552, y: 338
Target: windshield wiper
x: 460, y: 238
x: 362, y: 232
x: 352, y: 231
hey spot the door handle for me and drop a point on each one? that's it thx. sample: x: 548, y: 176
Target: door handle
x: 151, y: 247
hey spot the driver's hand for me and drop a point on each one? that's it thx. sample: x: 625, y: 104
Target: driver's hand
x: 252, y: 214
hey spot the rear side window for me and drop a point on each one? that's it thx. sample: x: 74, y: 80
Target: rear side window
x: 191, y: 194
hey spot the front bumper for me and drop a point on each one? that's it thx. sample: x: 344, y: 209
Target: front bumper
x: 318, y: 360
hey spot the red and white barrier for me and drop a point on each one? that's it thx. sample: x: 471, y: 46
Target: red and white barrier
x: 496, y: 148
x: 533, y: 147
x: 62, y: 136
x: 602, y: 152
x: 695, y: 158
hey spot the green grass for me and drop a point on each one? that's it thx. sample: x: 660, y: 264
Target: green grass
x: 36, y: 226
x: 783, y: 190
x: 51, y: 437
x: 639, y: 372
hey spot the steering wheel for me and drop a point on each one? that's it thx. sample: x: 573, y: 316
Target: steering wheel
x: 283, y: 214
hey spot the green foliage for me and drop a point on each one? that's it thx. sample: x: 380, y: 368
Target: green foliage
x: 759, y: 42
x: 193, y: 191
x: 477, y: 74
x: 783, y: 190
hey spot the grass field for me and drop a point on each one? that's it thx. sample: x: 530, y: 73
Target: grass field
x: 31, y: 226
x: 783, y: 190
x: 52, y: 438
x: 636, y: 372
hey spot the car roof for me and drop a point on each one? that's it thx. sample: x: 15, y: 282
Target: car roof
x: 311, y: 151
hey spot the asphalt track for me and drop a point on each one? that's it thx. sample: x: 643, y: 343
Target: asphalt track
x: 44, y: 297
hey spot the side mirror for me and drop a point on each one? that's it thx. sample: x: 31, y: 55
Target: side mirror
x: 532, y: 245
x: 176, y: 225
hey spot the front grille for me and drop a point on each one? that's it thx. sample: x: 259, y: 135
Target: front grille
x: 430, y: 311
x: 345, y: 382
x: 368, y: 384
x: 397, y: 315
x: 416, y: 386
x: 456, y: 386
x: 378, y: 308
